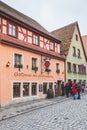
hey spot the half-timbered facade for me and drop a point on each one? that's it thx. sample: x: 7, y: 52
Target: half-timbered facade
x: 30, y: 60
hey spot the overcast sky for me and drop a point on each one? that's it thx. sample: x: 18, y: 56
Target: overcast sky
x: 54, y: 14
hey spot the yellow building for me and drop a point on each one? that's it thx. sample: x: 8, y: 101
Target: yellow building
x: 72, y: 48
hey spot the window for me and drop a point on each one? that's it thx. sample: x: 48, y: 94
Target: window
x: 79, y: 69
x: 52, y: 46
x: 44, y: 88
x: 69, y: 67
x: 35, y: 39
x: 79, y: 53
x: 57, y: 67
x: 34, y: 63
x: 16, y: 89
x: 76, y: 37
x: 50, y: 85
x: 82, y: 69
x: 12, y: 30
x: 74, y: 68
x: 34, y: 89
x: 74, y: 51
x: 25, y: 89
x: 18, y: 60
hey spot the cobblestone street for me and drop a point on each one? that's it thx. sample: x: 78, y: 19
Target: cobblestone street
x: 67, y: 115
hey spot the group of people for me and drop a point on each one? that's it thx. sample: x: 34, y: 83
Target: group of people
x: 71, y: 89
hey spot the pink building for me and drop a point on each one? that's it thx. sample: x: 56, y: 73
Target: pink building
x: 30, y: 61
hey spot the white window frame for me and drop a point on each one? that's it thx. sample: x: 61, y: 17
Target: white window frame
x: 36, y: 61
x: 22, y: 59
x: 57, y: 66
x: 12, y: 29
x: 35, y: 39
x: 52, y: 46
x: 21, y: 90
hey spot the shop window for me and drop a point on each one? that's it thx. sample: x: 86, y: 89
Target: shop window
x: 35, y: 40
x: 34, y: 89
x: 50, y: 85
x: 18, y: 61
x: 52, y: 46
x: 44, y: 88
x: 25, y: 89
x: 16, y: 90
x: 12, y: 30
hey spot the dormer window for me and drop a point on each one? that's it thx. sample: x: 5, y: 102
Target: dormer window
x: 52, y: 46
x: 35, y: 39
x: 12, y: 29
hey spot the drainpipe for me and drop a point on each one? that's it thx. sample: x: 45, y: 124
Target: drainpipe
x: 41, y: 64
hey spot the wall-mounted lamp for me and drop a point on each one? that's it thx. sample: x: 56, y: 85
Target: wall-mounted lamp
x: 8, y: 64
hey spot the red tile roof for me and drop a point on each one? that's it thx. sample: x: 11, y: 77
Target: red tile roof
x: 65, y: 34
x: 24, y: 19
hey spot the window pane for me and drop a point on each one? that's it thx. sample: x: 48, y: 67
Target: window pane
x: 34, y: 63
x: 17, y: 59
x: 69, y: 67
x: 35, y: 39
x: 34, y: 89
x: 50, y: 85
x: 74, y: 51
x: 25, y: 89
x: 51, y: 46
x: 57, y: 66
x: 44, y: 88
x: 12, y: 30
x: 16, y: 89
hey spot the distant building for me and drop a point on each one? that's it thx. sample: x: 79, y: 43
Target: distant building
x: 30, y: 60
x: 72, y: 47
x: 84, y: 39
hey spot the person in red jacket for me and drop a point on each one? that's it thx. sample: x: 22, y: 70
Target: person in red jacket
x: 74, y: 90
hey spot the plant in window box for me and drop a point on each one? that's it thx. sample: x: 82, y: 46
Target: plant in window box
x: 47, y: 70
x: 35, y: 68
x: 58, y: 71
x: 18, y: 65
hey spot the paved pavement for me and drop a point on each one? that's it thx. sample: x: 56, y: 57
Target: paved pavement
x: 21, y: 108
x: 60, y: 113
x: 67, y: 115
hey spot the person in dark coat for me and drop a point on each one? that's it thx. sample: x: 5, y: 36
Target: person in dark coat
x: 63, y: 89
x: 67, y: 89
x: 70, y: 85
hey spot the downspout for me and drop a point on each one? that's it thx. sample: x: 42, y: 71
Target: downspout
x: 41, y: 64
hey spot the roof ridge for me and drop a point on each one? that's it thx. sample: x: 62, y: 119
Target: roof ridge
x: 76, y: 22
